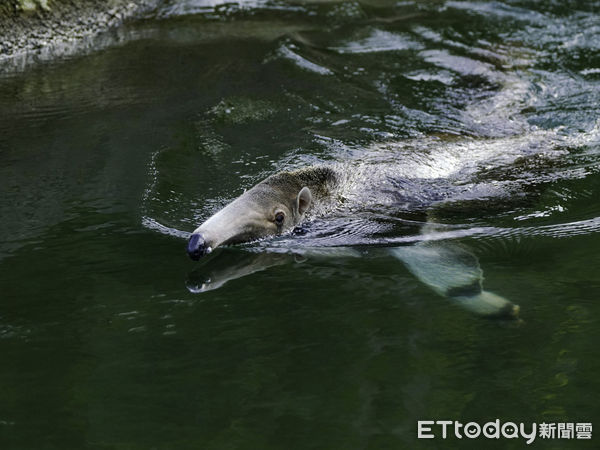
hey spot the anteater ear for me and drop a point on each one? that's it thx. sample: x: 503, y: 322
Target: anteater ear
x: 303, y: 200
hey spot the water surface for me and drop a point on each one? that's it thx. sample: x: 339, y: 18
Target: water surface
x: 482, y: 116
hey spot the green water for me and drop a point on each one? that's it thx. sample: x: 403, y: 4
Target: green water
x: 108, y: 159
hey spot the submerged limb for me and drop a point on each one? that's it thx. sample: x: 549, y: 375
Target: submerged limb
x: 489, y: 304
x: 454, y: 272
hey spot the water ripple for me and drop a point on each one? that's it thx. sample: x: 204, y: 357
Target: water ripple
x: 379, y: 41
x: 433, y: 121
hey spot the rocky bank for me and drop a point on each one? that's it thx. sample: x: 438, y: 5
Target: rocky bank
x: 34, y: 30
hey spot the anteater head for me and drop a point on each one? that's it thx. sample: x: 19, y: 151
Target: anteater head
x: 270, y: 208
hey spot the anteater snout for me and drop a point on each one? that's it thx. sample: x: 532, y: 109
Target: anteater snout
x: 197, y: 247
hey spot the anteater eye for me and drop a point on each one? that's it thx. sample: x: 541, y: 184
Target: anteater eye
x: 279, y: 218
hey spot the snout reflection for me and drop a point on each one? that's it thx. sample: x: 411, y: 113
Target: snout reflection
x: 229, y: 264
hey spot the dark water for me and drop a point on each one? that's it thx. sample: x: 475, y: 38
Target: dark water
x: 480, y: 115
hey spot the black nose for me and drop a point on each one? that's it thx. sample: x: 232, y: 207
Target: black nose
x: 196, y: 247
